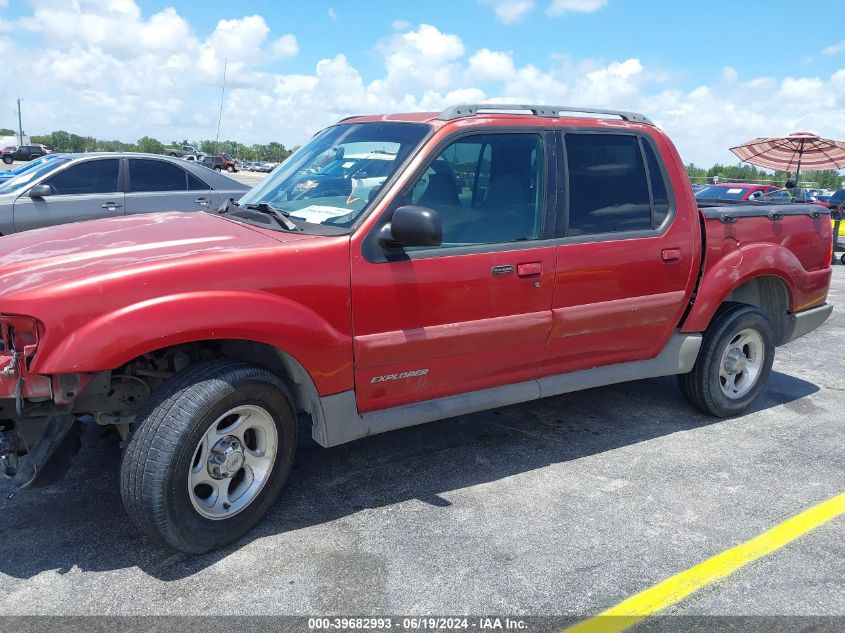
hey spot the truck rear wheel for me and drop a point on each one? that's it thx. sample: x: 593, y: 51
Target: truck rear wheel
x: 209, y: 455
x: 734, y: 362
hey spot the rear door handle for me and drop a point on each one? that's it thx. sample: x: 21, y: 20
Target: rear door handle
x: 531, y: 269
x: 671, y: 254
x: 111, y: 206
x: 203, y: 201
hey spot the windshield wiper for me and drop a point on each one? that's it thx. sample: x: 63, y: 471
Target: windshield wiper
x: 277, y: 214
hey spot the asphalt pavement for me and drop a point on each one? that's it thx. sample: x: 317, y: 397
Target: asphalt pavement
x: 565, y: 505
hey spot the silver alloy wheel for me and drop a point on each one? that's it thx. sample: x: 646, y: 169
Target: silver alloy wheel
x: 741, y: 364
x: 232, y: 462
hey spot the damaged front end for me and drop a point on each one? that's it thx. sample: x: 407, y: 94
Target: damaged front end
x: 38, y: 432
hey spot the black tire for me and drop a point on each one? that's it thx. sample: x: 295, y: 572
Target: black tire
x: 842, y: 259
x: 8, y: 160
x: 702, y: 386
x: 217, y: 168
x: 230, y: 169
x: 173, y: 154
x: 161, y: 450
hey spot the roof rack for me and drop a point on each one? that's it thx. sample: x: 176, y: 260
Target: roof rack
x: 467, y: 110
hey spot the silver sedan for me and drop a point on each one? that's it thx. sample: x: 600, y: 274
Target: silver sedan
x: 78, y: 187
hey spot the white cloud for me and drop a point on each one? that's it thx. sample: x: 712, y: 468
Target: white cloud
x: 424, y: 58
x: 487, y: 65
x: 834, y: 49
x: 332, y: 14
x: 401, y: 25
x: 510, y: 11
x: 285, y: 46
x: 729, y: 73
x: 559, y: 7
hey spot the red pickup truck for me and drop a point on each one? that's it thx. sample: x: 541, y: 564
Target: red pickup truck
x: 494, y: 257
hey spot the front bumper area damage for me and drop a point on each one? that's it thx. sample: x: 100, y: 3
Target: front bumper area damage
x: 40, y: 458
x: 38, y: 433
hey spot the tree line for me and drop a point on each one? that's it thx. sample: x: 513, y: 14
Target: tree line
x: 826, y: 179
x: 62, y: 141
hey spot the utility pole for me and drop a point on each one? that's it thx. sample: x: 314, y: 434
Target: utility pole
x: 20, y: 125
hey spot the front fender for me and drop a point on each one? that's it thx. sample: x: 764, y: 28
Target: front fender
x: 115, y: 338
x: 742, y: 264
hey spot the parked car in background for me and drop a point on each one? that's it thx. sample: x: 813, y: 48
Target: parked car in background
x: 837, y: 199
x: 221, y: 162
x: 823, y: 199
x: 74, y: 187
x: 23, y: 152
x: 731, y: 191
x: 180, y: 151
x: 229, y: 163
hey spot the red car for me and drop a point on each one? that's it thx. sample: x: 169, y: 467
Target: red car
x: 733, y: 191
x: 502, y: 256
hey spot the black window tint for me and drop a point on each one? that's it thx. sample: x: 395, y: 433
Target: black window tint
x: 608, y: 191
x: 195, y: 184
x: 156, y: 175
x: 659, y: 197
x: 487, y: 189
x: 90, y: 176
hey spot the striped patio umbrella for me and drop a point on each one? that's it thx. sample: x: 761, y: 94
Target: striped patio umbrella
x: 794, y: 152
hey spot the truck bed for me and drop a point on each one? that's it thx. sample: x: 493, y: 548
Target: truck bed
x: 786, y: 242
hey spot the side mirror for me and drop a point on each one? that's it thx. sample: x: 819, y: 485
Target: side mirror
x: 412, y: 225
x: 40, y: 191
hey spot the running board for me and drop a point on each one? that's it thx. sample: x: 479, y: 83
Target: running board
x: 339, y: 422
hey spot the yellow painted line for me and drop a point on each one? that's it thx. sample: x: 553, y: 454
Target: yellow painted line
x: 672, y: 590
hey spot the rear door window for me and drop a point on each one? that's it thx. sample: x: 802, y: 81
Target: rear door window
x: 147, y: 175
x: 87, y: 177
x: 608, y: 189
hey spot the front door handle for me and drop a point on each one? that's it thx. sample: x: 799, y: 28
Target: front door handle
x: 203, y: 201
x: 111, y: 206
x: 671, y: 254
x: 531, y: 269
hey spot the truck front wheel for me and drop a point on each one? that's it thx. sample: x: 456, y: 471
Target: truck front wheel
x: 208, y: 455
x: 734, y: 362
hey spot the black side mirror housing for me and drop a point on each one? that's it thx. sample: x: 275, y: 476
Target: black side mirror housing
x: 40, y: 191
x: 412, y: 225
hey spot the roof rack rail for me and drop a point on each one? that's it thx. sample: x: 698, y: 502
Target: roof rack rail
x: 471, y: 109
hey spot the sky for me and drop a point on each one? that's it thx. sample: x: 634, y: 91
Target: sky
x: 711, y: 74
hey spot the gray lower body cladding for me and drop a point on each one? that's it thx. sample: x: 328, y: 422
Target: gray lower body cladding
x: 339, y: 421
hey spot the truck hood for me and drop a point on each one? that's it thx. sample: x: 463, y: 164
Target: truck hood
x: 31, y: 260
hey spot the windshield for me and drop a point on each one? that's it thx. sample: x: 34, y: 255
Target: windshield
x: 722, y: 193
x: 28, y: 176
x: 332, y: 179
x: 28, y: 166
